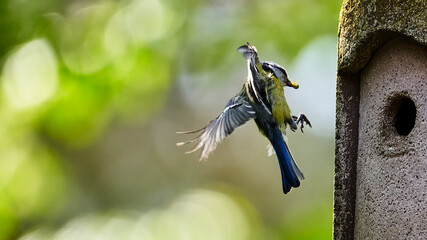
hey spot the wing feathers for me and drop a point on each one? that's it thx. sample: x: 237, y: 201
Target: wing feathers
x: 237, y: 112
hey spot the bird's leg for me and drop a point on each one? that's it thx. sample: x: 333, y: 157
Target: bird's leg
x: 292, y: 124
x: 301, y: 119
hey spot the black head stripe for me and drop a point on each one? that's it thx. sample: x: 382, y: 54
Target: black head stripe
x: 274, y: 68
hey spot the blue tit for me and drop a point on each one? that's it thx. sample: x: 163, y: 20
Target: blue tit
x: 262, y: 99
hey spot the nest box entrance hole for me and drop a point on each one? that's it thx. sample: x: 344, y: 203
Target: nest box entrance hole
x: 402, y: 113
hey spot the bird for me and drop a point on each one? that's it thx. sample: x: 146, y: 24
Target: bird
x: 262, y: 99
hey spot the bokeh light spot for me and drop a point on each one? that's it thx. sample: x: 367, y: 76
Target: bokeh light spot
x: 140, y: 22
x: 30, y: 75
x: 81, y: 46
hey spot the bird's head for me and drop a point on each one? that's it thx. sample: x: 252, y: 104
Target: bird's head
x: 280, y: 73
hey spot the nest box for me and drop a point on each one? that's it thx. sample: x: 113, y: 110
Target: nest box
x: 381, y: 122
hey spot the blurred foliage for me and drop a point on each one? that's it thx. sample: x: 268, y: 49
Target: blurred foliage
x: 91, y: 93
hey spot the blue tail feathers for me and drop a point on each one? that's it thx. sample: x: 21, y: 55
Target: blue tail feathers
x: 291, y: 175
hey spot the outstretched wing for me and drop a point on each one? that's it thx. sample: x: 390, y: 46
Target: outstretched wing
x: 237, y: 112
x: 256, y: 77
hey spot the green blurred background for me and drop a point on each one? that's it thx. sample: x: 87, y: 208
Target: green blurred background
x: 92, y: 93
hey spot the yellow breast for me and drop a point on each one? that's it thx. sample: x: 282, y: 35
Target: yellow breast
x: 280, y: 108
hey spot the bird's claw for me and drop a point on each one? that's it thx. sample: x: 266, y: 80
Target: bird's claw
x: 301, y: 119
